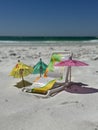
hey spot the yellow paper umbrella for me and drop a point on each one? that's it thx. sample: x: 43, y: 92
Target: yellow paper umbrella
x: 21, y: 70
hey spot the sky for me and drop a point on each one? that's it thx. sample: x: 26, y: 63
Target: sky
x: 49, y: 17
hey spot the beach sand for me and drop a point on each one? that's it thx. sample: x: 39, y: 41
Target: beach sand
x: 68, y: 110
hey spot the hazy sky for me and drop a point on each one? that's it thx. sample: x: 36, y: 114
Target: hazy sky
x: 49, y: 17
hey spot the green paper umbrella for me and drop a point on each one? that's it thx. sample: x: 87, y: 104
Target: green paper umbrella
x: 39, y: 68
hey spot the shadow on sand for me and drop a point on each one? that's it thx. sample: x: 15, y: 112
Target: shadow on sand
x: 80, y: 88
x: 23, y: 84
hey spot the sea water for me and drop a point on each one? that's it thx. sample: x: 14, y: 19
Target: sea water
x: 45, y: 40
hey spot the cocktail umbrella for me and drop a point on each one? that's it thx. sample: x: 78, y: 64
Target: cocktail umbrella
x: 39, y: 68
x: 20, y: 71
x: 54, y: 58
x: 70, y: 62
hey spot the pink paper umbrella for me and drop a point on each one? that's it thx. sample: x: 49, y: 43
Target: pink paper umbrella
x: 70, y: 63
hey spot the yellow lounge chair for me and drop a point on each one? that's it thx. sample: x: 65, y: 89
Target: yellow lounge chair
x: 44, y: 89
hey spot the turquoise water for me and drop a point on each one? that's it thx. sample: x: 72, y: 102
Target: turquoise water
x: 29, y: 40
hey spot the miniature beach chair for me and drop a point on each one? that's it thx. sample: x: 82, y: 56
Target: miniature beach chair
x: 50, y: 89
x: 44, y: 89
x: 41, y: 90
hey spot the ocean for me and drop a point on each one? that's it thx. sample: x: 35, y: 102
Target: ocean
x: 44, y: 40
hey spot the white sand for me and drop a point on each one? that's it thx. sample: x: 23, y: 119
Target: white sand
x: 65, y: 111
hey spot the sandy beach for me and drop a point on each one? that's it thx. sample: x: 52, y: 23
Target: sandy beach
x: 68, y: 110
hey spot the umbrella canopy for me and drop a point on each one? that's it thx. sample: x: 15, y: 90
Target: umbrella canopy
x: 21, y: 70
x: 39, y: 68
x: 70, y: 62
x: 56, y: 57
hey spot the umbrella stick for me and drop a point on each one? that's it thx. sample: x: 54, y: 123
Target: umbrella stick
x: 40, y: 72
x: 70, y: 73
x: 40, y: 67
x: 67, y: 74
x: 23, y: 81
x: 21, y: 73
x: 70, y: 58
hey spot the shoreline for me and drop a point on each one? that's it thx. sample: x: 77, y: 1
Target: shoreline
x: 88, y: 44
